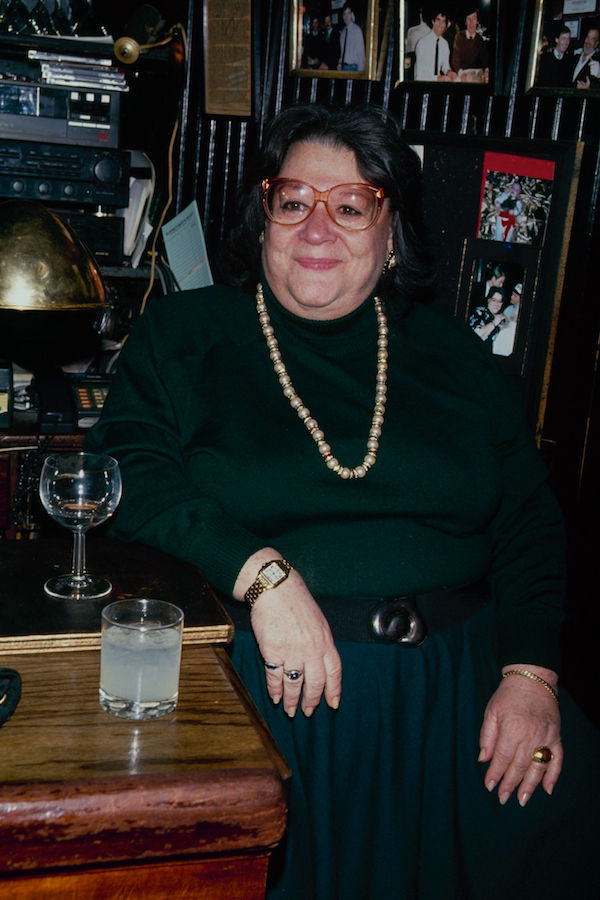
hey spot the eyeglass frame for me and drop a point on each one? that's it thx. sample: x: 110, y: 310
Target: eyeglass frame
x: 322, y: 197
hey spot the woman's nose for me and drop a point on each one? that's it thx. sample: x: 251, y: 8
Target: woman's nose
x: 319, y: 226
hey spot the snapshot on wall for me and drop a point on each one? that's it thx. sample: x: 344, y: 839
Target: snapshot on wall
x: 498, y: 292
x: 516, y: 192
x: 447, y: 44
x: 338, y: 38
x: 565, y: 47
x: 499, y: 214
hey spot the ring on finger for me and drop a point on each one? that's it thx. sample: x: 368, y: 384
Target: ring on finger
x: 293, y: 674
x: 272, y: 667
x: 542, y: 755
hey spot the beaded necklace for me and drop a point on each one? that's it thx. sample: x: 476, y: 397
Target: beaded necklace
x: 304, y: 413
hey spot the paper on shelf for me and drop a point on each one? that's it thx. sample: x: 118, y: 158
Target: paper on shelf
x: 186, y: 249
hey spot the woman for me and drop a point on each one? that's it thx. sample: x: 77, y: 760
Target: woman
x: 486, y: 321
x: 314, y: 519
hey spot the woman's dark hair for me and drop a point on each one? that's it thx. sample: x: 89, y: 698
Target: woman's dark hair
x: 383, y: 158
x: 495, y: 290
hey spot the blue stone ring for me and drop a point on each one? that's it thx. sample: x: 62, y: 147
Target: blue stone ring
x: 293, y: 674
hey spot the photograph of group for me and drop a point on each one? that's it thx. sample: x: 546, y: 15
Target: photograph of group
x: 337, y: 38
x: 452, y: 43
x: 565, y: 49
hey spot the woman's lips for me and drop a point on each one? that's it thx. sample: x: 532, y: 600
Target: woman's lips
x: 316, y: 265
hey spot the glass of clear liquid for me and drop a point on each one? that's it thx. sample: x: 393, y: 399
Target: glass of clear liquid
x: 140, y: 658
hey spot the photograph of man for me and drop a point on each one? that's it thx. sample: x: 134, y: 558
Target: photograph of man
x: 432, y: 52
x: 414, y: 34
x: 555, y: 64
x: 352, y: 43
x: 586, y: 73
x: 313, y: 45
x: 330, y: 52
x: 470, y: 50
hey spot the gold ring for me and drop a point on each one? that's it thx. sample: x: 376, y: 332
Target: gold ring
x: 542, y: 755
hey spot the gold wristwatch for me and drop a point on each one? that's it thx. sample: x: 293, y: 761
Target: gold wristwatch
x: 269, y: 576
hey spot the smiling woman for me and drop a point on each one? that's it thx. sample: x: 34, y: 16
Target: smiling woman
x: 322, y: 446
x: 318, y: 267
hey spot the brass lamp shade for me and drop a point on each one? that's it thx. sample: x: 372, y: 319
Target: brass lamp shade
x: 43, y: 264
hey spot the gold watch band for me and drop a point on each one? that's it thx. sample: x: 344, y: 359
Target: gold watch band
x: 269, y: 576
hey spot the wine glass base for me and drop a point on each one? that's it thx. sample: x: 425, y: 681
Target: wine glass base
x: 77, y: 587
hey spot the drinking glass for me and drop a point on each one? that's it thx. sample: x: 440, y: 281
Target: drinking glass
x: 79, y: 490
x: 140, y: 657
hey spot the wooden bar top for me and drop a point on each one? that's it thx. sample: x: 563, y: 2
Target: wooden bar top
x: 80, y: 788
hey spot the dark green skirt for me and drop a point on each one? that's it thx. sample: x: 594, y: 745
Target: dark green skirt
x: 387, y: 797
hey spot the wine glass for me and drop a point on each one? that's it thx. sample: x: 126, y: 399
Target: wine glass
x: 79, y: 490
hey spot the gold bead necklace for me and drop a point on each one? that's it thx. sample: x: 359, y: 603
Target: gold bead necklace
x: 304, y: 413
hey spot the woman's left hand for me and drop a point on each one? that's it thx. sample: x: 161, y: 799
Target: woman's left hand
x: 521, y: 716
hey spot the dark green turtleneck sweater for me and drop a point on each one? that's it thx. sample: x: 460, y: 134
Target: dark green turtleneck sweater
x: 216, y: 464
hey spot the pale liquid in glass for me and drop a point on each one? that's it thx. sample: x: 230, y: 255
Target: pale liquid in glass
x: 139, y: 672
x: 74, y: 514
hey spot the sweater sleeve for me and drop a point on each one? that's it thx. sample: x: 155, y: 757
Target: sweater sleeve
x: 528, y: 572
x: 140, y: 426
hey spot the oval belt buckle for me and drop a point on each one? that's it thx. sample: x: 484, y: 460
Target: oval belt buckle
x: 397, y: 621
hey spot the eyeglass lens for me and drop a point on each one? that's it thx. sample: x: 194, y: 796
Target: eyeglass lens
x: 349, y: 205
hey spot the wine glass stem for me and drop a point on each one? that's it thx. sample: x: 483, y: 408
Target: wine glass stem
x: 78, y: 566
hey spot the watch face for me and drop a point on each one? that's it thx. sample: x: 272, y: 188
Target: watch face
x: 273, y: 574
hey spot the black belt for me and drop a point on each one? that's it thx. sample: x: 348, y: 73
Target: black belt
x: 404, y: 620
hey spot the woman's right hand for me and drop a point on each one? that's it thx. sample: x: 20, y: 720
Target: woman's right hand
x: 293, y: 634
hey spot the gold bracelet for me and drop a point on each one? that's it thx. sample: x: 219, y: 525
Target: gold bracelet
x: 534, y: 677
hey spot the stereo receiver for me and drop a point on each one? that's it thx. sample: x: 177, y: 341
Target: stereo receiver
x: 55, y: 173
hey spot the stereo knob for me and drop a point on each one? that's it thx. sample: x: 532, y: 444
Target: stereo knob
x: 43, y: 188
x: 68, y: 190
x: 107, y: 170
x: 18, y: 187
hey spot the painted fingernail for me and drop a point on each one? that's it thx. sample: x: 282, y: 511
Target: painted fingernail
x: 482, y: 755
x: 523, y: 799
x: 276, y: 699
x: 549, y: 789
x: 490, y: 785
x: 503, y: 797
x: 308, y: 711
x: 335, y: 703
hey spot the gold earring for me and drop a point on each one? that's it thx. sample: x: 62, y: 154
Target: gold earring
x: 390, y: 262
x: 261, y: 237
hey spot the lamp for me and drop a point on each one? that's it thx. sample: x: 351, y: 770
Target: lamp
x: 52, y: 296
x: 43, y: 264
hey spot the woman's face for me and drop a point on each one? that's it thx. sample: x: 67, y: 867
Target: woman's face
x: 495, y: 304
x: 317, y: 269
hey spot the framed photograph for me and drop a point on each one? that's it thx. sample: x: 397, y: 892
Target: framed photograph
x: 564, y: 55
x: 500, y: 213
x: 441, y: 46
x: 496, y: 298
x: 516, y: 192
x: 337, y: 39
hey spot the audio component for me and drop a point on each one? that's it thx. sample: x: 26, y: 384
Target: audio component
x: 63, y: 114
x: 103, y: 235
x: 55, y: 173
